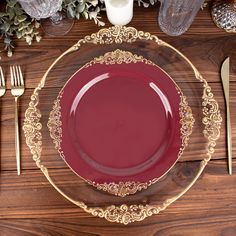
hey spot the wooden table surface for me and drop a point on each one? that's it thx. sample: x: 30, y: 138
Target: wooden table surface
x: 30, y: 206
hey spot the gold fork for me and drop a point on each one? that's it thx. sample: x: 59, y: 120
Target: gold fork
x: 2, y: 83
x: 17, y: 89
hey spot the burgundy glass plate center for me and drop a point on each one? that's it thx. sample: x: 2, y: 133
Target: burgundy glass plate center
x: 120, y: 122
x: 119, y: 132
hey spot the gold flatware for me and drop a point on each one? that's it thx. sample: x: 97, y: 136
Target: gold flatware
x: 225, y: 81
x: 17, y: 89
x: 2, y: 83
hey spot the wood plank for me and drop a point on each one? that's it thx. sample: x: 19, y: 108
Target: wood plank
x: 209, y: 204
x: 209, y: 225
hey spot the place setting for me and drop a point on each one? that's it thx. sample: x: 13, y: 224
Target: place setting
x: 122, y: 123
x: 120, y: 116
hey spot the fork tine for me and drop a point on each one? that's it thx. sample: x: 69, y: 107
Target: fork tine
x: 14, y: 75
x: 21, y: 76
x: 12, y: 79
x: 2, y: 81
x: 17, y: 76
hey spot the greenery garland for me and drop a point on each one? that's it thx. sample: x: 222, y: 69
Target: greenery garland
x: 14, y: 21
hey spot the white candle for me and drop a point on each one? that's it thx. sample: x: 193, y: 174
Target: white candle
x: 119, y: 12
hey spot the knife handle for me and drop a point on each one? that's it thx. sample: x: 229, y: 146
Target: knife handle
x: 229, y: 139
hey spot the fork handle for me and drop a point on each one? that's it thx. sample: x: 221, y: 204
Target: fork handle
x: 17, y: 137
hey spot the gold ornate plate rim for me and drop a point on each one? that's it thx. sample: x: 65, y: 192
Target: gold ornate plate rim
x: 121, y: 189
x: 124, y: 213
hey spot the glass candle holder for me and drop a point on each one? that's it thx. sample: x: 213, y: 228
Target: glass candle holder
x: 119, y: 12
x: 176, y: 16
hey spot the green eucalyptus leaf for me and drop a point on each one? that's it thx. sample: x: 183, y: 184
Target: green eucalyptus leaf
x: 80, y: 8
x: 6, y: 26
x: 29, y: 30
x: 101, y: 23
x: 93, y: 15
x: 11, y: 3
x: 28, y: 39
x: 73, y: 3
x: 23, y: 32
x: 16, y: 22
x: 38, y: 38
x: 67, y: 2
x: 70, y: 12
x: 21, y: 18
x: 18, y: 10
x: 22, y: 26
x: 2, y: 14
x: 85, y: 15
x: 11, y: 13
x: 93, y: 2
x: 19, y: 34
x: 77, y: 16
x: 36, y: 24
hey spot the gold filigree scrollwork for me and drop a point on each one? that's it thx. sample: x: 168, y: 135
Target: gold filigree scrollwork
x: 122, y: 189
x: 118, y: 57
x: 211, y: 117
x: 32, y: 129
x: 187, y: 122
x: 117, y: 35
x: 54, y: 125
x: 123, y: 213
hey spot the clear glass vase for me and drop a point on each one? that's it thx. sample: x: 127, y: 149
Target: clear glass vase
x: 176, y: 16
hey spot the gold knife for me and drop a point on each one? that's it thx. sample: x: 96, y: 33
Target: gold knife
x: 225, y: 81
